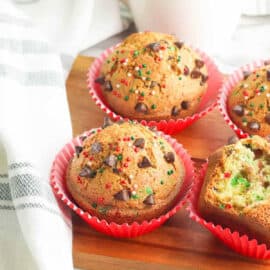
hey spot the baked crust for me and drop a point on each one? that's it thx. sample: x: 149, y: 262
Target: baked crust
x: 167, y: 81
x: 97, y: 195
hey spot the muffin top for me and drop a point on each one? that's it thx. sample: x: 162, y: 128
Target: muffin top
x: 125, y: 166
x: 240, y: 180
x: 153, y: 76
x: 249, y: 102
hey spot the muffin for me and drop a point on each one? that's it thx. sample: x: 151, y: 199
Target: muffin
x: 249, y: 102
x: 125, y: 173
x: 236, y: 189
x: 153, y: 76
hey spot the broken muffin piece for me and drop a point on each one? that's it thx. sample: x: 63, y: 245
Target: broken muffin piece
x: 236, y: 189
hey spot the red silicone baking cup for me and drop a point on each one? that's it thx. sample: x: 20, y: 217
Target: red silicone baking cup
x: 58, y: 183
x: 239, y: 243
x: 208, y: 102
x: 226, y: 89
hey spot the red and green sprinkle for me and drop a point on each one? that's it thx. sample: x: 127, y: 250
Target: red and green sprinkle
x: 134, y: 196
x: 262, y: 89
x: 94, y: 205
x: 149, y: 190
x: 136, y: 53
x: 244, y: 120
x: 120, y: 157
x: 222, y: 206
x: 101, y: 170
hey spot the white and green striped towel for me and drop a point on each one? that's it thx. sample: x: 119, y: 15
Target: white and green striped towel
x: 35, y: 234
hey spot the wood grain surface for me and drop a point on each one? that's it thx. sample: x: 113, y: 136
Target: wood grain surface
x: 178, y: 244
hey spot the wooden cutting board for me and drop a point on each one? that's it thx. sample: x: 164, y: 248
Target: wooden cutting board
x: 178, y: 244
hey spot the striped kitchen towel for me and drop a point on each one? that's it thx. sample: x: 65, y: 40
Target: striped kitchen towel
x: 35, y: 231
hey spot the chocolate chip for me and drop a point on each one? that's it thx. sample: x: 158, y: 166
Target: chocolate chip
x: 78, y: 150
x: 153, y: 84
x: 238, y: 110
x: 115, y: 170
x: 123, y: 195
x: 195, y: 74
x: 199, y: 63
x: 204, y: 78
x: 108, y: 86
x: 141, y: 108
x: 111, y: 160
x: 170, y: 57
x: 184, y: 105
x: 100, y: 80
x: 232, y: 140
x: 155, y: 46
x: 186, y: 70
x: 96, y: 147
x: 266, y: 184
x: 83, y: 138
x: 169, y: 157
x: 87, y: 172
x: 254, y: 125
x: 267, y: 118
x: 246, y: 74
x: 139, y: 142
x: 144, y: 163
x: 179, y: 44
x: 268, y: 75
x: 175, y: 111
x: 258, y: 153
x: 107, y: 122
x: 149, y: 200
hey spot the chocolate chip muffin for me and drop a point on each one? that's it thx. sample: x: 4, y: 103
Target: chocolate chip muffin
x: 125, y: 173
x: 153, y: 76
x: 236, y: 189
x: 249, y: 102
